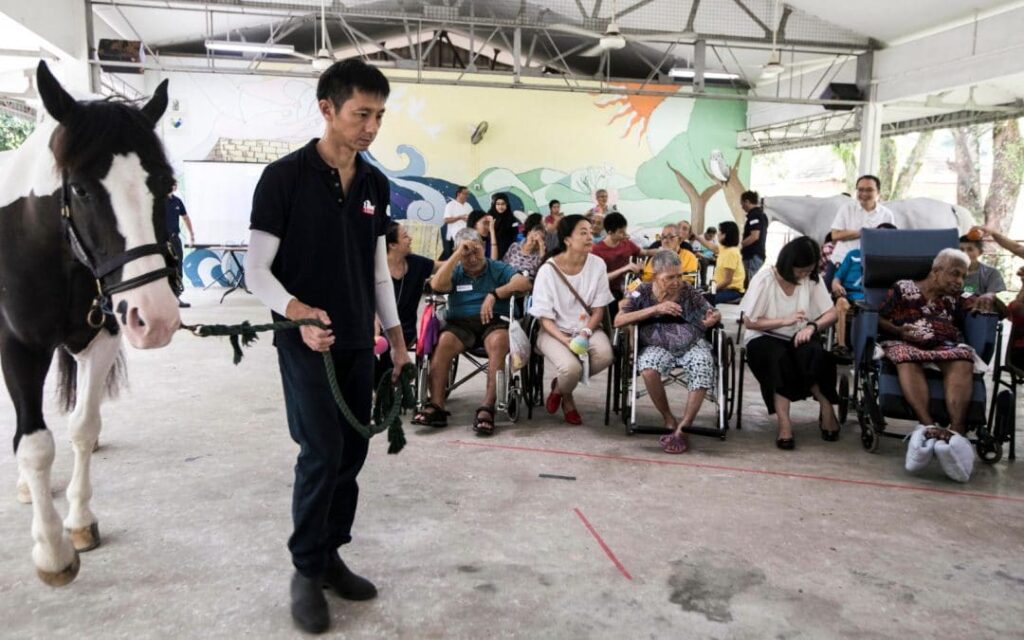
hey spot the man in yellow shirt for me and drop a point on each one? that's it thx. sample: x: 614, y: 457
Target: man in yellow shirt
x: 671, y: 239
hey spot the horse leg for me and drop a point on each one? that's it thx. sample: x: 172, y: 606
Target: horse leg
x: 94, y: 364
x: 24, y: 372
x: 24, y: 495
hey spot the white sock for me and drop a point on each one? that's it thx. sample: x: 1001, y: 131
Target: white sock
x: 919, y: 450
x: 956, y: 457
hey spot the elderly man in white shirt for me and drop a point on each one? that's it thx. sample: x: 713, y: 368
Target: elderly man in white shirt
x: 853, y: 216
x: 455, y: 214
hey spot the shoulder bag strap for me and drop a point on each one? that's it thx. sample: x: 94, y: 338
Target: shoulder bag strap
x: 561, y: 275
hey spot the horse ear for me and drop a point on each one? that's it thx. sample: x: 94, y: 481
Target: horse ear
x: 57, y: 101
x: 156, y: 106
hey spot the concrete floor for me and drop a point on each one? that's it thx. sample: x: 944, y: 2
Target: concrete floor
x: 463, y: 537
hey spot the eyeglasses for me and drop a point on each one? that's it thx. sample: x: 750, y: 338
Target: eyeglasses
x: 669, y: 236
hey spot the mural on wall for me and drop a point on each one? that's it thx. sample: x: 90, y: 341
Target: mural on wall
x: 541, y: 145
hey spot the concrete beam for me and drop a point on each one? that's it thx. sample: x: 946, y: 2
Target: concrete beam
x: 60, y: 27
x: 967, y: 54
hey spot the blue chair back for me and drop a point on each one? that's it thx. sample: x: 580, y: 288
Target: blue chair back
x: 892, y: 254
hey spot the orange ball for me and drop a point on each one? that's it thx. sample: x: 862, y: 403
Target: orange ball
x: 974, y: 235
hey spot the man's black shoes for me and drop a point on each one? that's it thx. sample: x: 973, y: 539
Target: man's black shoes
x: 347, y: 584
x: 309, y: 607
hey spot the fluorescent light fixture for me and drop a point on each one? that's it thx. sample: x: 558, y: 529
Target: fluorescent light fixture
x: 249, y: 47
x: 686, y: 74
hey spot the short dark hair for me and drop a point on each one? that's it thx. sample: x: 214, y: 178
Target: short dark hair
x: 750, y: 196
x: 800, y: 253
x: 887, y: 225
x: 474, y: 217
x: 459, y: 189
x: 564, y: 229
x: 978, y: 243
x: 553, y: 203
x: 868, y: 176
x: 614, y: 221
x: 342, y: 78
x: 730, y: 234
x: 532, y: 221
x: 712, y: 230
x: 391, y: 232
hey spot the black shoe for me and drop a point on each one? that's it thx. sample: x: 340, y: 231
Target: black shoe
x: 183, y: 305
x: 347, y: 584
x: 828, y: 436
x: 787, y: 444
x: 309, y: 607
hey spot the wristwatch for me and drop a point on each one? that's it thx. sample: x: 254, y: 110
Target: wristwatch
x: 494, y: 292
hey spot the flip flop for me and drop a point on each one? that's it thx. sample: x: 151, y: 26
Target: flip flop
x: 676, y: 445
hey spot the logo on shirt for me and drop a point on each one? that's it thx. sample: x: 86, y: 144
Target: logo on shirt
x: 368, y: 207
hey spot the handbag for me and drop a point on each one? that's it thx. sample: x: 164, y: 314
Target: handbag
x: 606, y: 323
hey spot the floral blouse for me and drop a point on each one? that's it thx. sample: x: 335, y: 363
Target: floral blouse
x: 676, y: 335
x: 522, y: 261
x: 939, y: 320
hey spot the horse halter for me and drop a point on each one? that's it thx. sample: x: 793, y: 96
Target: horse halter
x: 101, y: 303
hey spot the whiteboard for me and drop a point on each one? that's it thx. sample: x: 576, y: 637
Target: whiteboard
x: 218, y: 198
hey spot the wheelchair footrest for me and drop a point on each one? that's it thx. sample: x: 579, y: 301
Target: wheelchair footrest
x: 705, y: 431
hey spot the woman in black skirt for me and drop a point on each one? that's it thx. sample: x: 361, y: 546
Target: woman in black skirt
x: 783, y: 310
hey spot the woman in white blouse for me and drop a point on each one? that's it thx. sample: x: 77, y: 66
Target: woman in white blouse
x: 570, y: 294
x: 783, y: 310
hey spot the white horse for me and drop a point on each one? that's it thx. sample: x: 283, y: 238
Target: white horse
x: 813, y: 216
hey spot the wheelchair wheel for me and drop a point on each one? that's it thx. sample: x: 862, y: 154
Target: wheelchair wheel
x: 514, y: 394
x: 869, y: 414
x: 990, y: 450
x: 844, y: 399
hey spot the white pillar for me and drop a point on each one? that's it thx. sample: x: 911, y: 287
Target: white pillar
x: 870, y: 137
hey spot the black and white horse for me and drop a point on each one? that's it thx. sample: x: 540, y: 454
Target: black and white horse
x: 83, y: 257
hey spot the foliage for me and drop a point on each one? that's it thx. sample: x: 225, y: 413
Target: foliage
x: 13, y: 131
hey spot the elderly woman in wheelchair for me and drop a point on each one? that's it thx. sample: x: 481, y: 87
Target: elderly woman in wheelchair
x: 480, y: 291
x: 922, y: 324
x: 784, y: 309
x: 673, y: 318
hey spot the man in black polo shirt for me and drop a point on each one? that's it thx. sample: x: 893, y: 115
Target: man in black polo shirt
x: 317, y: 250
x: 755, y: 233
x: 176, y: 214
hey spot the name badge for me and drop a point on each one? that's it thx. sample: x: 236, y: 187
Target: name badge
x: 464, y: 288
x: 368, y: 207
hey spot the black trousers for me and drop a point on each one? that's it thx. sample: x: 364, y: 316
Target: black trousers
x: 791, y: 371
x: 179, y: 253
x: 331, y: 452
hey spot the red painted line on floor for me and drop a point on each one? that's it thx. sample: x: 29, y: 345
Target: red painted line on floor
x: 607, y: 550
x: 762, y: 472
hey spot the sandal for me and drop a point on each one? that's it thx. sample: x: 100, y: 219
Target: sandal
x: 431, y: 415
x: 554, y: 399
x: 675, y: 444
x: 484, y: 426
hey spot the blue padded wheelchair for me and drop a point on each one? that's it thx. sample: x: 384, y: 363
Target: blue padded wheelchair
x: 889, y: 256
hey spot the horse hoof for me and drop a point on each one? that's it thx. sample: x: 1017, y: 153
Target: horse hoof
x: 96, y: 446
x: 86, y: 538
x: 24, y: 495
x: 61, y: 578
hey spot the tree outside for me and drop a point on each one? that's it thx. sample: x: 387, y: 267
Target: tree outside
x: 13, y: 131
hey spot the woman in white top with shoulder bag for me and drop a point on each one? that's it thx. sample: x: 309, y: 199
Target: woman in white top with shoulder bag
x: 783, y: 310
x: 570, y: 294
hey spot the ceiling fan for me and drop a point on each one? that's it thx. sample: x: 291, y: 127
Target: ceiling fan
x: 774, y: 66
x: 324, y: 57
x: 613, y: 38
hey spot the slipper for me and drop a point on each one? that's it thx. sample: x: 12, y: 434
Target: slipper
x: 554, y: 398
x: 573, y: 417
x: 484, y: 426
x: 665, y: 439
x: 956, y: 457
x: 676, y: 445
x: 919, y: 450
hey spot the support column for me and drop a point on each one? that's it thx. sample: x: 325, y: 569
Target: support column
x: 870, y: 138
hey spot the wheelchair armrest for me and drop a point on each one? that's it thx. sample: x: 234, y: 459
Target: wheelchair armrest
x: 980, y: 333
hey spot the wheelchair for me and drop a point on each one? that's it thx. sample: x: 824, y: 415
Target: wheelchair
x: 891, y: 255
x: 510, y: 385
x: 625, y: 383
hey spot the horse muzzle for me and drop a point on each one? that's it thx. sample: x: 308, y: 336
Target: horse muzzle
x: 148, y: 315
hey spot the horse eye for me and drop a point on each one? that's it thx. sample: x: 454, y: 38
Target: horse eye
x: 79, y: 191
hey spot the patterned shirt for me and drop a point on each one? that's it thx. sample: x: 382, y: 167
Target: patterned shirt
x: 676, y: 335
x: 938, y: 321
x: 522, y: 261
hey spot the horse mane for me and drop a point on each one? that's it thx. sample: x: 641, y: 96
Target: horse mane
x: 97, y: 130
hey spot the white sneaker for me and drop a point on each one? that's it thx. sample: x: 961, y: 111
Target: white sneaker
x: 956, y: 457
x: 919, y: 450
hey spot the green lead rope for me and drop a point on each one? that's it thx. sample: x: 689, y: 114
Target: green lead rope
x: 389, y: 400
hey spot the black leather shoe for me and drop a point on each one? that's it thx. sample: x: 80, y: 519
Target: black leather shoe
x: 787, y: 444
x: 828, y: 436
x: 347, y: 584
x: 309, y: 607
x: 184, y: 305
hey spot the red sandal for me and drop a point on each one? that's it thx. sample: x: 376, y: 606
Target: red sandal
x: 554, y: 398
